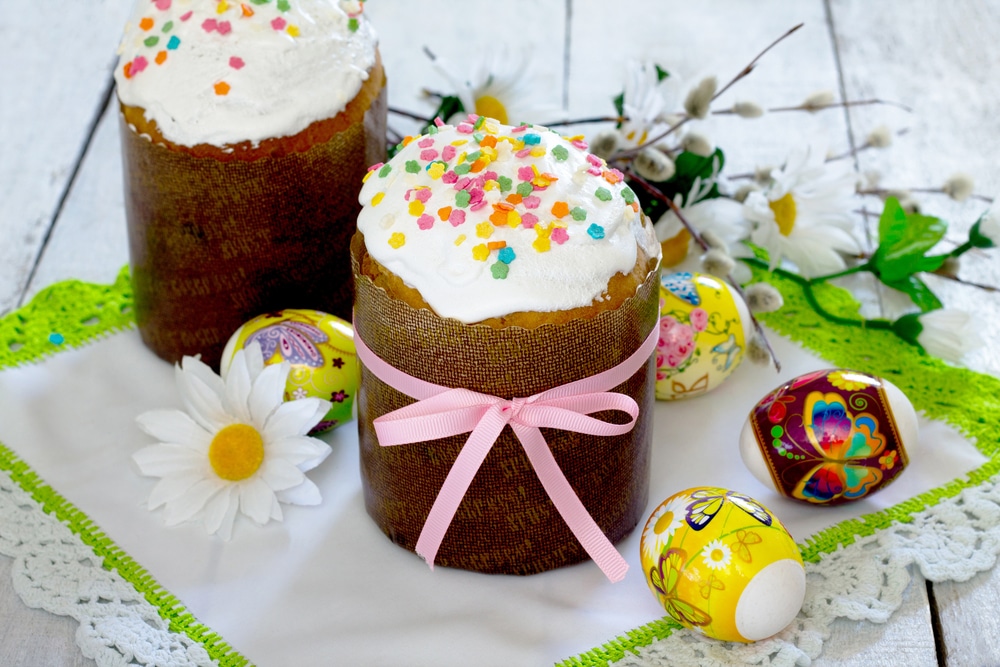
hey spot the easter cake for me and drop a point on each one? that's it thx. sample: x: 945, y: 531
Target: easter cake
x: 246, y: 129
x: 507, y: 261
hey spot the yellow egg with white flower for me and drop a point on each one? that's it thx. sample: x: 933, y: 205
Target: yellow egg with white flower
x: 320, y: 349
x: 721, y: 563
x: 704, y: 327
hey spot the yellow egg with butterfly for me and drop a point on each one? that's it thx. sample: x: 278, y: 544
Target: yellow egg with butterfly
x: 721, y: 563
x: 320, y: 349
x: 704, y: 328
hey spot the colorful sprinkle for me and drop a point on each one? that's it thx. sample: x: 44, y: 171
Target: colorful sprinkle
x: 506, y: 255
x: 146, y: 23
x: 462, y: 198
x: 167, y: 27
x: 560, y: 153
x: 480, y: 252
x: 384, y: 171
x: 412, y: 167
x: 208, y: 25
x: 505, y: 184
x: 353, y: 25
x: 525, y: 173
x: 559, y: 235
x: 531, y: 139
x: 460, y: 239
x: 445, y: 213
x: 221, y: 7
x: 532, y: 202
x: 221, y: 88
x: 425, y: 221
x: 448, y: 153
x: 496, y: 245
x: 278, y: 23
x: 236, y: 62
x: 283, y: 6
x: 173, y: 42
x: 529, y: 220
x: 161, y: 57
x: 397, y: 240
x: 416, y: 208
x: 428, y: 155
x: 628, y: 195
x: 423, y: 195
x: 293, y: 30
x: 463, y: 169
x: 603, y: 194
x: 499, y: 270
x: 224, y: 27
x: 162, y: 5
x: 246, y: 10
x: 457, y: 217
x: 579, y: 214
x: 524, y: 189
x: 560, y: 209
x: 377, y: 199
x: 596, y: 232
x: 186, y: 15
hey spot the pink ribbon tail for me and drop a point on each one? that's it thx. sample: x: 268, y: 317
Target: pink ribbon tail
x: 441, y: 412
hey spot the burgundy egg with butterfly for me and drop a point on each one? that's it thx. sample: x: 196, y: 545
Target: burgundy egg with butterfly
x: 320, y: 350
x: 722, y: 563
x: 830, y: 437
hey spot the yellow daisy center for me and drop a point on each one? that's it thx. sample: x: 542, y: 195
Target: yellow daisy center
x: 663, y: 522
x: 675, y: 249
x: 487, y: 105
x: 717, y: 555
x: 784, y: 213
x: 236, y: 452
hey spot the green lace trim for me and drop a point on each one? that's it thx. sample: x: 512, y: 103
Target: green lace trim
x: 73, y: 313
x: 957, y: 396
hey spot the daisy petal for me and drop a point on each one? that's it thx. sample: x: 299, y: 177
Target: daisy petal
x: 170, y: 488
x: 301, y: 451
x: 225, y: 530
x: 306, y: 493
x: 255, y: 500
x: 294, y: 418
x: 188, y: 505
x: 280, y: 474
x: 276, y: 508
x: 217, y: 508
x: 174, y: 426
x: 253, y: 356
x: 237, y: 393
x: 202, y: 399
x: 168, y: 459
x: 268, y: 391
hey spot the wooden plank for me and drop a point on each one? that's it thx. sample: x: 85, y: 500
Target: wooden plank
x: 463, y: 34
x: 942, y: 64
x: 905, y: 640
x: 33, y: 637
x: 59, y: 57
x: 970, y: 626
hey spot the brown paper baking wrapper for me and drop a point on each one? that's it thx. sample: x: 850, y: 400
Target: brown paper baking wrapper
x: 506, y: 522
x: 214, y: 242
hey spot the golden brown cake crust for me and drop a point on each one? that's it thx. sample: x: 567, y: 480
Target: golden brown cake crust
x: 316, y: 133
x: 620, y: 288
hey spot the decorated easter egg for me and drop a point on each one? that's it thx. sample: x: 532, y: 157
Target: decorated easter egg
x: 320, y: 349
x: 721, y: 563
x: 830, y: 436
x: 704, y: 328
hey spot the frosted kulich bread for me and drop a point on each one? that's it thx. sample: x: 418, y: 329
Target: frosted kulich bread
x: 246, y: 129
x: 505, y: 260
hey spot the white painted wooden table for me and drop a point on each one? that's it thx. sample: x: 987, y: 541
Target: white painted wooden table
x: 61, y: 204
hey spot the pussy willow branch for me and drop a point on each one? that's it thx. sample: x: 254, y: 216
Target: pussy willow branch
x: 879, y: 192
x: 654, y: 192
x: 821, y: 107
x: 632, y: 152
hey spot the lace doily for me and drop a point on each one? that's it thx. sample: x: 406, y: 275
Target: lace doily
x: 858, y: 569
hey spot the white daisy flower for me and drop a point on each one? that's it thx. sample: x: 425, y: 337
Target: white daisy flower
x: 805, y: 214
x: 945, y: 332
x: 716, y: 555
x: 661, y: 526
x: 499, y: 87
x: 646, y: 102
x: 237, y: 447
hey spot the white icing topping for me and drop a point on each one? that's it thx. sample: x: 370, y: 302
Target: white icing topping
x: 570, y: 226
x: 226, y: 72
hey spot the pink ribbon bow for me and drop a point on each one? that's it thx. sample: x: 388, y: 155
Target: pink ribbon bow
x: 442, y: 411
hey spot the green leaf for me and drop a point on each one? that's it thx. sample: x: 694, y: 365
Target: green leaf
x: 661, y: 73
x: 619, y: 103
x: 918, y: 292
x: 447, y: 107
x: 903, y: 240
x: 977, y: 239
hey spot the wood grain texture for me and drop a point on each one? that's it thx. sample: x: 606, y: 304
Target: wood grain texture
x: 969, y: 622
x: 907, y: 639
x: 942, y: 64
x: 57, y: 57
